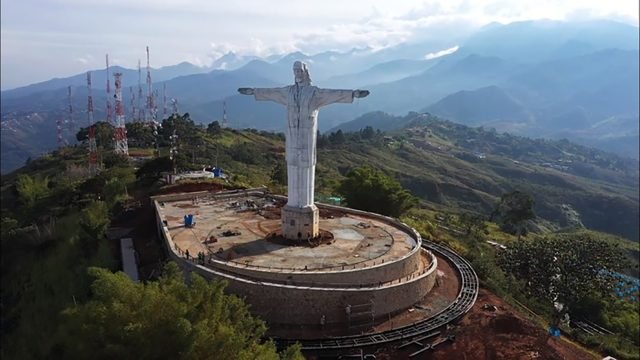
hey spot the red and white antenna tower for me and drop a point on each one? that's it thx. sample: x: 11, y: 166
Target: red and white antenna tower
x: 121, y: 147
x: 109, y: 109
x: 164, y: 100
x: 70, y: 124
x: 93, y: 149
x: 150, y: 103
x: 141, y: 115
x: 224, y: 114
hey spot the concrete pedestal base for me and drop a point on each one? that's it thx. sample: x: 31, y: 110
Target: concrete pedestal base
x: 300, y: 223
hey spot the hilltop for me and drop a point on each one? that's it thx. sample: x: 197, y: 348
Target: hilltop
x: 52, y: 209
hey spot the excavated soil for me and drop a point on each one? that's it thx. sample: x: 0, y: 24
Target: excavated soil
x: 495, y: 333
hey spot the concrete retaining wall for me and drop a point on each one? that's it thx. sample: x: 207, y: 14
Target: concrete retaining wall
x: 365, y: 276
x: 278, y: 302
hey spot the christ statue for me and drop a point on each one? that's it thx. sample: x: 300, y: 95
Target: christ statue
x: 303, y: 100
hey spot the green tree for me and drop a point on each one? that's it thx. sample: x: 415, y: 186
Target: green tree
x: 337, y: 138
x: 140, y: 134
x: 369, y: 189
x: 94, y: 221
x: 512, y: 212
x: 151, y: 169
x: 279, y: 173
x: 112, y: 159
x: 30, y: 189
x: 104, y: 134
x: 166, y: 319
x: 185, y: 128
x: 566, y: 268
x: 473, y: 224
x: 367, y: 133
x: 214, y: 128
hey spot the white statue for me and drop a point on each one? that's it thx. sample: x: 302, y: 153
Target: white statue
x: 302, y: 101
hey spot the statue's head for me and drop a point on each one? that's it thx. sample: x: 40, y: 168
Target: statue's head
x: 301, y: 73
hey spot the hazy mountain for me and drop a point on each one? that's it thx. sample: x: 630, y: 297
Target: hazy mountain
x: 534, y: 41
x: 484, y: 105
x: 376, y: 119
x: 231, y: 61
x: 451, y: 74
x: 99, y: 80
x: 381, y: 73
x: 200, y: 88
x: 537, y: 78
x: 560, y: 98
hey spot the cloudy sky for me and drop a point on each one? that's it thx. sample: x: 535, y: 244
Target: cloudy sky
x: 41, y: 39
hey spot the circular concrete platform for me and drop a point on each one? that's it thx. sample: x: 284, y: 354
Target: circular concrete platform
x: 374, y: 266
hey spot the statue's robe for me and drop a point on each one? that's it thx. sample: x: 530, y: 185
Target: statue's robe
x: 302, y: 102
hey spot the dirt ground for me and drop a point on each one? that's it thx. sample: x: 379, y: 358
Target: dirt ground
x: 504, y: 333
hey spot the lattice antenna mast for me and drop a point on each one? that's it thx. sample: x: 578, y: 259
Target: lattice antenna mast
x: 150, y: 102
x: 121, y: 146
x: 70, y: 124
x: 174, y: 106
x: 132, y: 103
x: 224, y: 114
x: 89, y: 100
x: 109, y: 108
x: 140, y: 108
x: 93, y: 148
x: 164, y: 100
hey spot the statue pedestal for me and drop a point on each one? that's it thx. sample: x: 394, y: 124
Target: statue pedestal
x: 300, y: 223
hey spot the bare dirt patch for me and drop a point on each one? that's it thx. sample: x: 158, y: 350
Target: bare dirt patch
x: 497, y: 331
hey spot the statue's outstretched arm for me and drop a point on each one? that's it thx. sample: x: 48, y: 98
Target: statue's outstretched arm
x: 329, y: 96
x: 278, y: 95
x: 246, y: 91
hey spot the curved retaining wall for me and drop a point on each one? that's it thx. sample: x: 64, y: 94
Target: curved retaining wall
x: 351, y: 275
x: 309, y: 296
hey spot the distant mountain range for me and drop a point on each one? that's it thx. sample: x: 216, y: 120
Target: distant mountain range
x: 553, y: 79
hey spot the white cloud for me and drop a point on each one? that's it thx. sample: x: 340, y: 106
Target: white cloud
x: 441, y: 53
x: 200, y: 31
x: 86, y: 59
